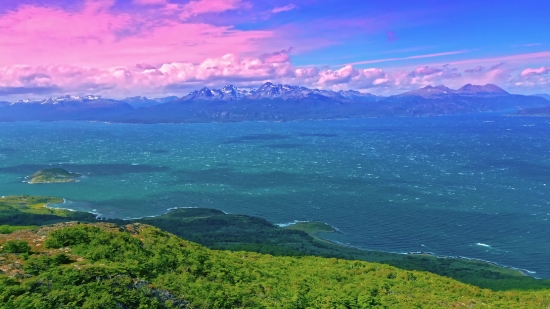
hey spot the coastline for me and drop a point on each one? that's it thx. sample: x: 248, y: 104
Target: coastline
x: 314, y: 234
x: 524, y: 272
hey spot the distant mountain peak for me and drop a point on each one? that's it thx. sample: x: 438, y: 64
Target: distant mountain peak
x: 230, y: 89
x: 269, y: 90
x: 438, y: 87
x: 429, y: 91
x: 482, y: 89
x: 64, y: 99
x: 468, y: 89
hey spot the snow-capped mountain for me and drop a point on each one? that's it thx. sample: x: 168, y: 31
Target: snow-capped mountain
x: 273, y: 91
x: 272, y: 102
x: 227, y: 93
x: 90, y: 107
x: 65, y: 99
x: 141, y: 101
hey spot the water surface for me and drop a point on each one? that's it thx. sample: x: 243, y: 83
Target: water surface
x: 470, y: 186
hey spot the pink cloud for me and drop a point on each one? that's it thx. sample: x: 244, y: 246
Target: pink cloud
x: 474, y: 70
x: 423, y: 71
x: 98, y: 5
x: 341, y: 76
x: 537, y: 71
x: 277, y: 57
x: 285, y: 8
x: 197, y: 7
x: 97, y: 36
x: 496, y: 66
x: 150, y: 2
x: 174, y: 77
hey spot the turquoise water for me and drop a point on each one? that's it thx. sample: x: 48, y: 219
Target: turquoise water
x: 460, y: 186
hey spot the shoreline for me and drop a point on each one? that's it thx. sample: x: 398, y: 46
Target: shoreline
x: 522, y: 271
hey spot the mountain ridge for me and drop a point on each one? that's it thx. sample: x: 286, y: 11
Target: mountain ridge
x: 543, y: 95
x: 272, y: 102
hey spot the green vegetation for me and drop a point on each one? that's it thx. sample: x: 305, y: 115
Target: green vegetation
x: 16, y: 246
x: 139, y: 266
x: 7, y: 229
x: 26, y: 211
x: 312, y: 228
x: 53, y: 175
x: 216, y: 230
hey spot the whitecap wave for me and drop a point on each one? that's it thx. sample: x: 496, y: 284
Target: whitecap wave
x: 290, y: 223
x: 483, y: 245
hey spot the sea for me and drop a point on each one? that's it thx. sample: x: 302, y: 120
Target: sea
x: 469, y: 186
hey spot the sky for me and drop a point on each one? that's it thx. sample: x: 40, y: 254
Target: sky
x: 155, y: 48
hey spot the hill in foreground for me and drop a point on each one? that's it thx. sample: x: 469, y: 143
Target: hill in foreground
x: 217, y: 230
x: 103, y: 265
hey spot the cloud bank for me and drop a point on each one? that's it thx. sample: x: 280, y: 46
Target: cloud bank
x: 180, y: 77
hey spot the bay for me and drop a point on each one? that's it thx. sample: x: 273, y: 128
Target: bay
x: 472, y: 186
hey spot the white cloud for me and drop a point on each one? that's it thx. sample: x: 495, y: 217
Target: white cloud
x: 285, y: 8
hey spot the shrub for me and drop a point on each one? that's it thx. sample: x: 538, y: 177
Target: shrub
x: 16, y: 246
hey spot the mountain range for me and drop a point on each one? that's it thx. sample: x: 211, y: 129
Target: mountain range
x: 542, y: 95
x: 272, y: 102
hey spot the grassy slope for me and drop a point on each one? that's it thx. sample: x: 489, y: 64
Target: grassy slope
x: 108, y: 266
x: 31, y: 210
x: 216, y: 230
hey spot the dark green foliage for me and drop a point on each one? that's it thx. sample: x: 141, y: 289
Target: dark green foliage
x: 91, y: 288
x: 71, y: 237
x: 37, y: 265
x: 16, y: 246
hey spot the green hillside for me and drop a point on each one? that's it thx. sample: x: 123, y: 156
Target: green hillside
x: 71, y: 265
x: 216, y: 230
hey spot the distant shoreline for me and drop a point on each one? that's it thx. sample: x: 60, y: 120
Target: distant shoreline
x: 522, y: 271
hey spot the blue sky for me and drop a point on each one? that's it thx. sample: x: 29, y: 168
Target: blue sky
x: 146, y: 47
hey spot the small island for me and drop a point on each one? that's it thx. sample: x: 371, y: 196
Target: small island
x: 53, y: 175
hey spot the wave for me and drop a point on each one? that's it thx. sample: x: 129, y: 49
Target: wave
x: 98, y: 216
x: 483, y: 245
x: 176, y: 208
x: 290, y: 223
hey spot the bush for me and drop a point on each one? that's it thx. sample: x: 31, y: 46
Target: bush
x: 16, y: 246
x: 35, y: 266
x: 70, y: 236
